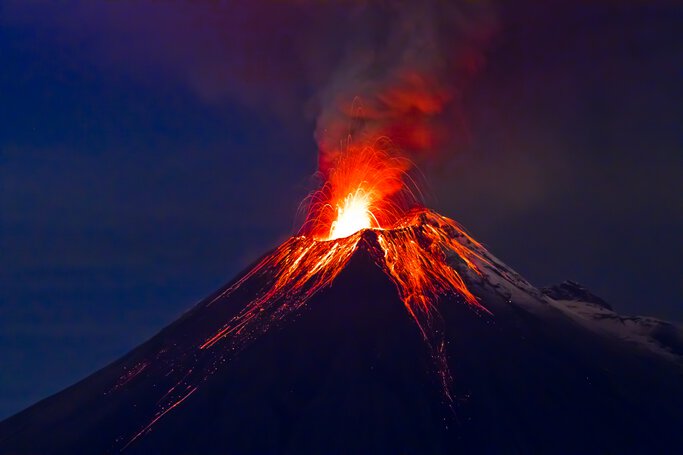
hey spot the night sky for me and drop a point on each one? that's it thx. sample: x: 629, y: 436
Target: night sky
x: 149, y: 151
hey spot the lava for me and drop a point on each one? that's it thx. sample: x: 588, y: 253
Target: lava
x: 367, y: 186
x: 414, y: 254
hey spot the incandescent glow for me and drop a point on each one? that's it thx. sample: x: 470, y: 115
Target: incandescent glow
x: 366, y: 186
x: 353, y: 215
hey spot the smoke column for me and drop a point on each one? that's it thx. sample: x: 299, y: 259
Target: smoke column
x: 401, y: 74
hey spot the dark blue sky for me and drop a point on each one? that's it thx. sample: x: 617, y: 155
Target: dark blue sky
x: 149, y: 151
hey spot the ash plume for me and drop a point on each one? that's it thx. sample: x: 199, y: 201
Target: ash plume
x: 402, y: 74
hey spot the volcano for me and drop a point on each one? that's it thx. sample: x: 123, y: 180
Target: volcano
x: 350, y: 346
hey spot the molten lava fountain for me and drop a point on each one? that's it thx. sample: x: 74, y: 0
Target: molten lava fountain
x: 367, y: 197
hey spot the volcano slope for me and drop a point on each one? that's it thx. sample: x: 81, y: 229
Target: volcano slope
x: 552, y: 371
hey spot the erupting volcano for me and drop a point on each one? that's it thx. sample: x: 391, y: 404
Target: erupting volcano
x: 365, y: 200
x: 380, y: 327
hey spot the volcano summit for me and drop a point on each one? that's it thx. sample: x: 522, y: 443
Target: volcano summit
x: 413, y: 339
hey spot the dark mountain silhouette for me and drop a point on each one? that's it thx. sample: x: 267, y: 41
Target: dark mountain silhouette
x: 548, y: 372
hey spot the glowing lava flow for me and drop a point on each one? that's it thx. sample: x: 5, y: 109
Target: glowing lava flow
x: 298, y: 269
x: 365, y: 190
x: 414, y: 254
